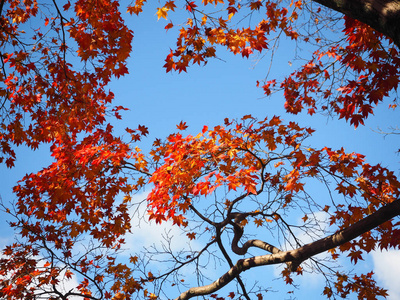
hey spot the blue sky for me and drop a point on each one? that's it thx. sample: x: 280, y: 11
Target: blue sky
x: 205, y: 96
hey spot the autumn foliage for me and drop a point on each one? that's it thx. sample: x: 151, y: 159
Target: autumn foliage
x: 220, y: 186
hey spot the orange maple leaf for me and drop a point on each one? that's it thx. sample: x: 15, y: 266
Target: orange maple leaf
x: 162, y: 13
x: 182, y: 126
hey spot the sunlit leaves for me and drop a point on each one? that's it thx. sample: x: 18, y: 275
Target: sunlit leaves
x: 364, y: 285
x: 312, y: 87
x: 352, y: 99
x: 162, y: 13
x: 55, y: 92
x: 234, y: 158
x: 231, y: 156
x: 43, y: 88
x: 91, y: 162
x: 49, y: 100
x: 224, y: 156
x: 197, y: 40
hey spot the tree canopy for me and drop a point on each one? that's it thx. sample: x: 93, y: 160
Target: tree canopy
x: 234, y: 190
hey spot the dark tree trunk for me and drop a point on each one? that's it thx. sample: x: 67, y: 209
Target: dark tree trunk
x: 382, y: 15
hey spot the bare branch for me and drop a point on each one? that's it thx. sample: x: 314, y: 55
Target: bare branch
x: 379, y: 217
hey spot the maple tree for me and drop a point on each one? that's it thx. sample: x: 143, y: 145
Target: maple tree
x: 238, y: 179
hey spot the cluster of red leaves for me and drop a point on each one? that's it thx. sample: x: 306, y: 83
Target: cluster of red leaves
x: 378, y: 186
x: 23, y: 267
x: 367, y: 60
x: 24, y: 275
x: 77, y: 197
x: 202, y: 32
x: 370, y: 57
x: 364, y: 285
x: 83, y: 181
x: 224, y: 156
x: 56, y: 63
x: 235, y: 158
x: 44, y: 98
x: 356, y: 179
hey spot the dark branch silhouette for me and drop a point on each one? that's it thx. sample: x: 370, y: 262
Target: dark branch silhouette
x: 300, y: 254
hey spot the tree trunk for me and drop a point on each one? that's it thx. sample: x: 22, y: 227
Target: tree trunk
x: 382, y: 15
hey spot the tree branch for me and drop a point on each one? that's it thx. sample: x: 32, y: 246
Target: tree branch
x: 381, y: 15
x: 379, y: 217
x: 238, y: 233
x: 1, y: 6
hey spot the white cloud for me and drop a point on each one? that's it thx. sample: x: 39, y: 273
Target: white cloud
x: 387, y: 270
x: 309, y: 278
x: 146, y: 233
x: 67, y: 284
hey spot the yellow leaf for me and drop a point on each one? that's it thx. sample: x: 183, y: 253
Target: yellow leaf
x: 162, y: 13
x: 152, y: 296
x: 204, y: 20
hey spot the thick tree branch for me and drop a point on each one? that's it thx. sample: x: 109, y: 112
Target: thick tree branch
x: 238, y: 233
x: 382, y: 15
x: 1, y: 6
x: 227, y: 257
x: 300, y: 254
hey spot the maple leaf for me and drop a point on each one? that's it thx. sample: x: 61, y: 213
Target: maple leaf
x: 182, y: 126
x: 133, y: 259
x: 134, y: 9
x: 355, y: 256
x: 247, y: 51
x: 162, y: 12
x: 143, y: 130
x: 258, y: 222
x: 170, y: 64
x: 168, y: 26
x: 255, y: 5
x: 170, y: 5
x: 191, y: 235
x: 191, y: 6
